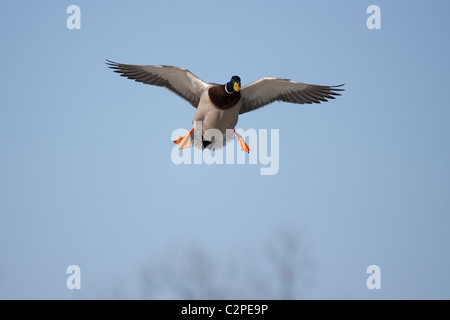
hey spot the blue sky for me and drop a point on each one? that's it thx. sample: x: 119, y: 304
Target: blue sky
x: 86, y: 176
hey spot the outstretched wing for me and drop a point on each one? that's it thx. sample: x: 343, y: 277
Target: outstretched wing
x: 268, y: 90
x: 179, y: 80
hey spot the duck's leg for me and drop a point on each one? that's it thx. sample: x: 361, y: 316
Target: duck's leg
x: 242, y: 144
x: 185, y: 141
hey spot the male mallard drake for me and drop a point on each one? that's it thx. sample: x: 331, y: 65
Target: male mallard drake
x: 219, y: 105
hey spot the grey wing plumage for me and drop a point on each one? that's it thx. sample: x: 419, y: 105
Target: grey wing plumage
x: 268, y: 90
x: 179, y: 80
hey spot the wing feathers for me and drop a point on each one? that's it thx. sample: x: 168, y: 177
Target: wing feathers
x: 179, y: 80
x: 268, y: 90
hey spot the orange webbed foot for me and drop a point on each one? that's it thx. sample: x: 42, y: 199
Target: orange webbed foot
x: 242, y: 144
x: 185, y: 141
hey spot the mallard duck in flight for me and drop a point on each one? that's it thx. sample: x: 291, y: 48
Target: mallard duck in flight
x: 219, y: 105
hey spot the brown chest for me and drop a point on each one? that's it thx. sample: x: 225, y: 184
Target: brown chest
x: 221, y: 99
